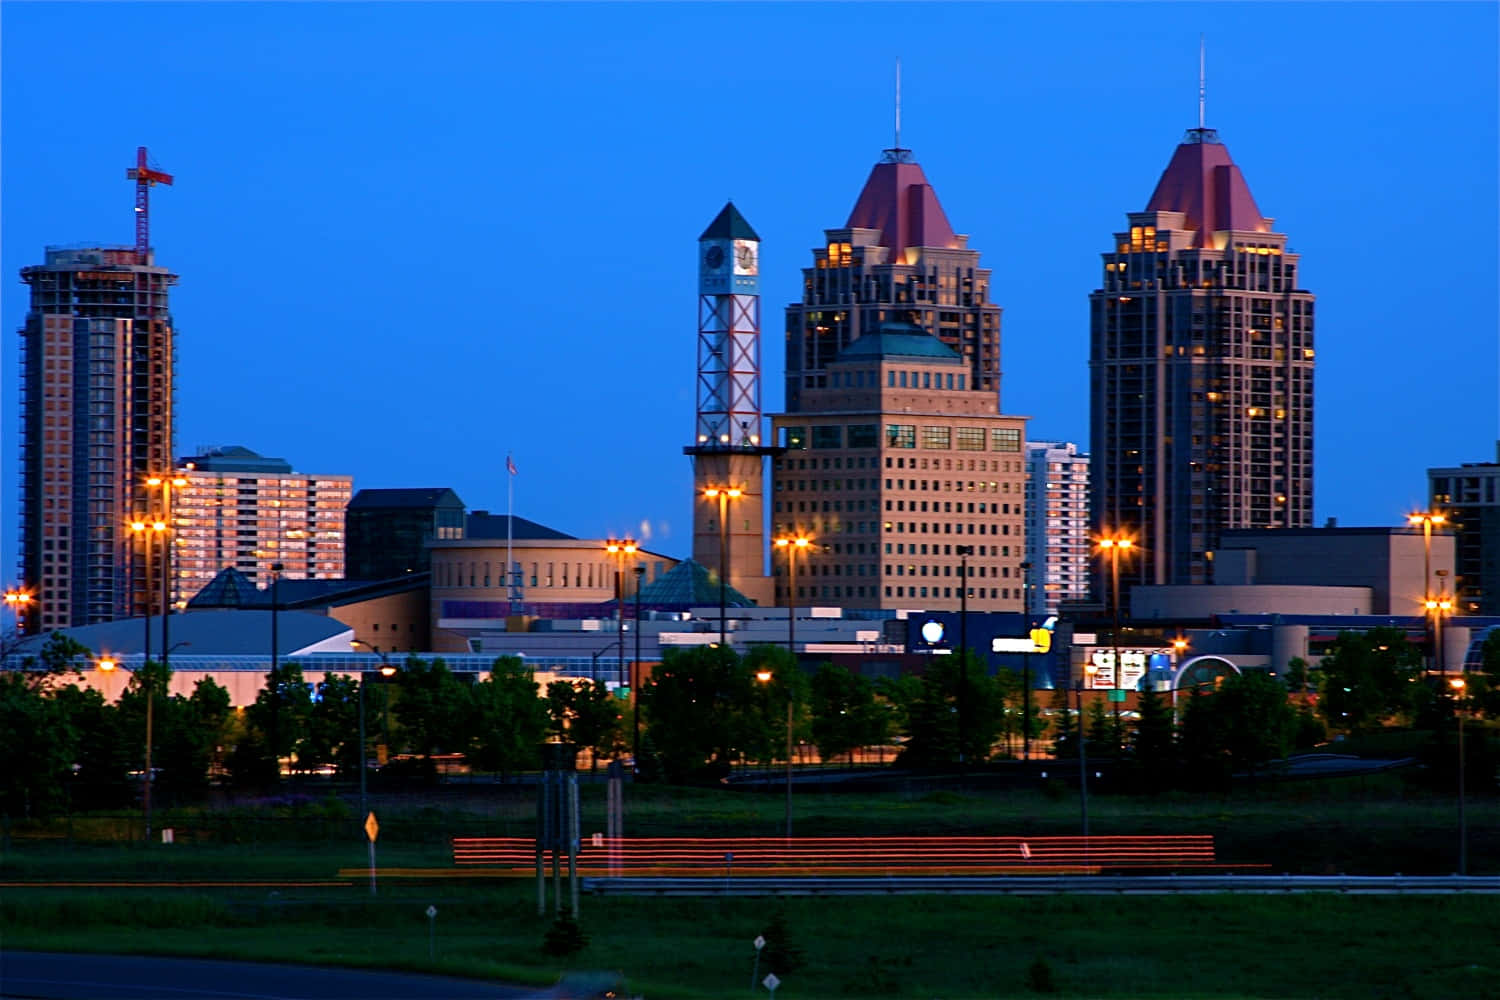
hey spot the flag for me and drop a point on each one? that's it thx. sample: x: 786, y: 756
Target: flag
x: 510, y: 465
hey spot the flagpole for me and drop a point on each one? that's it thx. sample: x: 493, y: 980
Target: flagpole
x: 510, y: 521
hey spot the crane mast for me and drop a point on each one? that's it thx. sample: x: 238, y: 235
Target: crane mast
x: 144, y: 178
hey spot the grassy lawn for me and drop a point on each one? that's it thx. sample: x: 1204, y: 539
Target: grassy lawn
x: 1222, y: 947
x: 1324, y: 946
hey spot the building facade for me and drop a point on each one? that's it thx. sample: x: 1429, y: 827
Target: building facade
x: 388, y: 532
x: 1058, y: 543
x: 1201, y: 373
x: 97, y: 359
x: 243, y: 510
x: 1469, y: 496
x: 898, y: 462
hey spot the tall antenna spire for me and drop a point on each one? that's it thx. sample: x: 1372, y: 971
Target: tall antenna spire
x: 1201, y: 87
x: 898, y: 103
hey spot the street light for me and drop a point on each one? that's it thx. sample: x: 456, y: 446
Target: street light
x: 140, y: 528
x: 386, y: 670
x: 620, y: 548
x: 635, y: 674
x: 1114, y: 546
x: 1459, y: 684
x: 1427, y: 519
x: 963, y: 552
x: 791, y: 544
x: 723, y: 494
x: 764, y: 676
x: 1437, y: 607
x: 164, y: 527
x: 106, y: 666
x: 19, y: 602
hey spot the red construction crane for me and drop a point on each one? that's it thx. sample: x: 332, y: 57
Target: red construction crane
x: 144, y: 177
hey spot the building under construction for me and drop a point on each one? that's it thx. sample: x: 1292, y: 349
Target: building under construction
x: 97, y: 363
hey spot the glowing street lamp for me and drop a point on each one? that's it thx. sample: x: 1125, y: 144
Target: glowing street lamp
x: 1115, y: 546
x: 19, y: 602
x: 765, y: 676
x: 164, y: 528
x: 1437, y: 607
x: 1459, y: 684
x: 791, y: 544
x: 621, y: 549
x: 723, y: 494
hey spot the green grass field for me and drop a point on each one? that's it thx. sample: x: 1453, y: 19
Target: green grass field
x: 935, y: 946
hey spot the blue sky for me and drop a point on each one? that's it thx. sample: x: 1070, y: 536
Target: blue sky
x: 415, y: 237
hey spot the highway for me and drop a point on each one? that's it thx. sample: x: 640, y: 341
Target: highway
x: 1088, y: 885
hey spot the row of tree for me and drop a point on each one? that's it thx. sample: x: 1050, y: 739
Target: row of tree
x: 704, y: 710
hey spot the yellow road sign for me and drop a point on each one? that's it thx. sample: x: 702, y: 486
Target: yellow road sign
x: 372, y: 828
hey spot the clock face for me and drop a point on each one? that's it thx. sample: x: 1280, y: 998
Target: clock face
x: 714, y: 258
x: 744, y: 257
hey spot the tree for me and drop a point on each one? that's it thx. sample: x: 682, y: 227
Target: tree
x: 1255, y: 721
x: 1151, y: 743
x: 434, y: 708
x: 956, y: 715
x: 703, y: 708
x: 1065, y: 729
x: 189, y: 734
x: 845, y: 716
x: 1368, y: 678
x: 585, y: 714
x: 102, y: 758
x: 333, y: 724
x: 509, y: 719
x: 280, y: 716
x: 1200, y: 745
x: 37, y: 746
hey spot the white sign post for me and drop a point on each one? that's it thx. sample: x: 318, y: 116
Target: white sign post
x: 771, y: 982
x: 431, y: 932
x: 760, y: 942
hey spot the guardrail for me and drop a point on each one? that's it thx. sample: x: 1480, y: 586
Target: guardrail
x: 1095, y: 885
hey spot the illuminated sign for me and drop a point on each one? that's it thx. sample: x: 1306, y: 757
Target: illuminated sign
x: 933, y: 632
x: 1135, y: 663
x: 1039, y: 641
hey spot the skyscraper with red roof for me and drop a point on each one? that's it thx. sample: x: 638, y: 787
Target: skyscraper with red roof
x: 1201, y: 372
x: 896, y: 459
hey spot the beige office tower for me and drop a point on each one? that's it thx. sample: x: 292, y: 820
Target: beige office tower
x: 728, y: 452
x: 1201, y: 373
x: 897, y: 461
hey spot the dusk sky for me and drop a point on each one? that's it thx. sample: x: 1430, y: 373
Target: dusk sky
x: 414, y: 238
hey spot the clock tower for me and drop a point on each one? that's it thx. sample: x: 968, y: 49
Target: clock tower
x: 728, y: 452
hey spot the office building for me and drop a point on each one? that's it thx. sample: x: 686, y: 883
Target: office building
x: 388, y: 532
x: 1058, y: 544
x: 897, y: 457
x: 1201, y: 373
x: 1469, y: 498
x: 245, y: 511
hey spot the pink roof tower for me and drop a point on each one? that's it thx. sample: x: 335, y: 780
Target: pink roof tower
x: 1201, y: 372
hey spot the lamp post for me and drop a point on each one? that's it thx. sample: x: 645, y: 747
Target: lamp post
x: 1114, y: 546
x: 1427, y: 519
x: 620, y: 548
x: 142, y: 529
x: 635, y: 674
x: 1437, y: 607
x: 19, y: 602
x: 1459, y: 684
x: 106, y: 666
x: 1026, y: 672
x: 764, y: 676
x: 723, y: 494
x: 790, y: 544
x: 165, y: 528
x: 386, y: 670
x: 963, y: 551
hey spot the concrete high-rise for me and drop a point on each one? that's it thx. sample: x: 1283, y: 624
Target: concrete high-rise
x: 98, y: 359
x: 1058, y: 543
x: 1201, y: 373
x: 250, y: 512
x: 897, y: 458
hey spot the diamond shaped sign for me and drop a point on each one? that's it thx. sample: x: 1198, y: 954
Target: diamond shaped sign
x: 372, y: 828
x: 771, y: 982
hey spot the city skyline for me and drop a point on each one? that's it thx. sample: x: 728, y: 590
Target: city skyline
x: 395, y: 339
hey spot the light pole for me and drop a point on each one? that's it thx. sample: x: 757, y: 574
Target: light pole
x: 1026, y: 673
x: 723, y: 494
x: 386, y: 670
x: 1459, y: 684
x: 791, y: 543
x: 107, y: 666
x: 19, y: 602
x: 764, y: 676
x: 620, y: 548
x: 141, y: 529
x: 1437, y: 607
x: 963, y: 551
x: 635, y: 674
x: 165, y: 528
x: 1114, y: 546
x: 1427, y: 519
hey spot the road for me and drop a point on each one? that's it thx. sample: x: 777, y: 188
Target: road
x: 60, y: 976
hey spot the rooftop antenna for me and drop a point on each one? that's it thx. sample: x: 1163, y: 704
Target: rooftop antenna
x: 897, y: 154
x: 1201, y: 87
x: 898, y: 103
